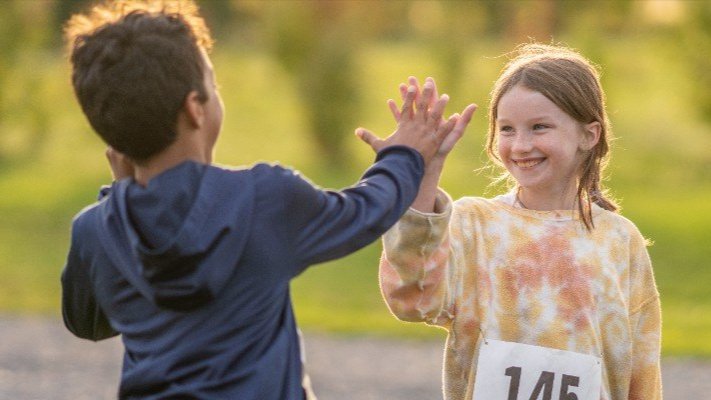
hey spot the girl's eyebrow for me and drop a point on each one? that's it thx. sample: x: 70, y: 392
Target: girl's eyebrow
x: 532, y: 119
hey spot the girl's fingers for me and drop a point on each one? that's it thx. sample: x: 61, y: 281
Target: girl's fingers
x: 457, y: 131
x: 446, y: 128
x: 438, y: 110
x: 466, y: 117
x: 450, y: 136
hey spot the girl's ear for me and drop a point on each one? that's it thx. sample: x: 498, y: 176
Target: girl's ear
x: 194, y: 110
x: 591, y: 135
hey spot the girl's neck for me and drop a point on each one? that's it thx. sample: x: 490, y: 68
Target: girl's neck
x: 546, y: 201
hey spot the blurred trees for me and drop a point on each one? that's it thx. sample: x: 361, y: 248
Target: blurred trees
x: 24, y: 119
x: 318, y: 43
x: 314, y: 42
x: 696, y: 45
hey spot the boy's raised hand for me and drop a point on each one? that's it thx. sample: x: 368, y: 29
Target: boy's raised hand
x: 457, y: 131
x: 420, y: 122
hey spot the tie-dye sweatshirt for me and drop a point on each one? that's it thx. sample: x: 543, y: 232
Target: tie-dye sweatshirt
x: 484, y: 268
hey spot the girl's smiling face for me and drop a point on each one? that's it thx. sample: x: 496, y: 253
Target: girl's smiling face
x: 541, y: 146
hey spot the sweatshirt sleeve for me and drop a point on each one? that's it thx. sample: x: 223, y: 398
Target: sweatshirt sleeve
x: 331, y: 224
x: 80, y: 311
x: 415, y: 266
x: 646, y: 322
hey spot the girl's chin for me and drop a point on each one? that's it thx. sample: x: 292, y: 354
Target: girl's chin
x: 526, y: 180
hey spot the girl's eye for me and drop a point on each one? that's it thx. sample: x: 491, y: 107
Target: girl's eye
x: 506, y: 130
x: 538, y: 127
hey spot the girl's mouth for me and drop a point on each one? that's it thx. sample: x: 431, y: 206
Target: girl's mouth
x: 528, y: 163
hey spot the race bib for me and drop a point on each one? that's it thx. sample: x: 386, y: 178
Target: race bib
x: 514, y: 371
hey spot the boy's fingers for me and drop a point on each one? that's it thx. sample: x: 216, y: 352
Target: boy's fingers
x: 423, y: 103
x: 412, y: 81
x: 435, y: 95
x: 368, y: 137
x: 406, y: 109
x: 393, y: 109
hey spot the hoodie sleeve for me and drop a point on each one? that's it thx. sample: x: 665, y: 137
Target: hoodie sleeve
x: 331, y: 224
x: 80, y: 311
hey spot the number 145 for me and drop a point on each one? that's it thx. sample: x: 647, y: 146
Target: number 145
x: 544, y: 385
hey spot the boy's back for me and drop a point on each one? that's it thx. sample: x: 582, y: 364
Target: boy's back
x: 191, y: 263
x: 194, y: 270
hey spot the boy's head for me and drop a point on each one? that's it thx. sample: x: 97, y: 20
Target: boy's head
x: 134, y: 64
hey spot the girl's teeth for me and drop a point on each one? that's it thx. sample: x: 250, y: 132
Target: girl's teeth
x: 527, y: 164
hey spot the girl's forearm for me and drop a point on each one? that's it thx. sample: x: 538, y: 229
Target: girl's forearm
x: 425, y: 200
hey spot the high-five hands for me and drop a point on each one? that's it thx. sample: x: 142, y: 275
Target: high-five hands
x: 420, y: 122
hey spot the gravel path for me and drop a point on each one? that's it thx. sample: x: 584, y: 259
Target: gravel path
x: 39, y: 360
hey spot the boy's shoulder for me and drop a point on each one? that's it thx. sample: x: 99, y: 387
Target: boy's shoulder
x: 262, y: 168
x: 85, y: 222
x: 265, y: 174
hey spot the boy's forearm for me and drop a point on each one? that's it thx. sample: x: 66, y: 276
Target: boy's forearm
x: 338, y: 223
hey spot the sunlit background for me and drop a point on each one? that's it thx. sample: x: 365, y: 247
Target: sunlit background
x: 298, y: 76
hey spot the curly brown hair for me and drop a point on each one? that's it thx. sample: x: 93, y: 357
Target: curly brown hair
x: 133, y: 65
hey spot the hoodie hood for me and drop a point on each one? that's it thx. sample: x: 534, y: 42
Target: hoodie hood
x: 179, y: 240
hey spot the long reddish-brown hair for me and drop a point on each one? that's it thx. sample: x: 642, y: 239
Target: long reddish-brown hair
x: 572, y: 83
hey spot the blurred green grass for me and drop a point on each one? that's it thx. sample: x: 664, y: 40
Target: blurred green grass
x: 660, y: 170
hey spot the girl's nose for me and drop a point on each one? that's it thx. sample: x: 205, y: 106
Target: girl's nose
x: 521, y: 143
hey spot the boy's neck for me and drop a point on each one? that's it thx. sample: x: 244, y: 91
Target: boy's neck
x: 185, y: 148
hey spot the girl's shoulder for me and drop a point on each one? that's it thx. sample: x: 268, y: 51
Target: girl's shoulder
x: 614, y: 223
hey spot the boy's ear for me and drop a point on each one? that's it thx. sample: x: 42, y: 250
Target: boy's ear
x: 194, y: 110
x: 591, y: 135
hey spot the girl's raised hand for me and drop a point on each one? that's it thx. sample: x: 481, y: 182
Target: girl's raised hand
x: 458, y: 131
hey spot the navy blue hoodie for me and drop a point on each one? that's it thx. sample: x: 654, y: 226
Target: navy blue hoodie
x: 193, y: 270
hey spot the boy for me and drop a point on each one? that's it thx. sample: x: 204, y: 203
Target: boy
x: 191, y: 263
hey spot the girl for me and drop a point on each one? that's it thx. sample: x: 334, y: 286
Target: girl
x: 546, y: 292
